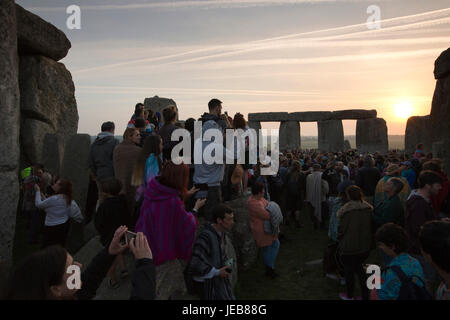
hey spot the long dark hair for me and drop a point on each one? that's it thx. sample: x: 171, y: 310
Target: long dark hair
x: 32, y: 279
x: 151, y: 145
x: 66, y: 189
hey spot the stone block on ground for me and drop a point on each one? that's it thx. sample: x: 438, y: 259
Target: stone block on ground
x: 37, y: 36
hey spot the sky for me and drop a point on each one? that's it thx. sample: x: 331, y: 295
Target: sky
x: 254, y: 55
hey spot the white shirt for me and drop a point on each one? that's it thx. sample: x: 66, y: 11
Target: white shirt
x: 57, y: 211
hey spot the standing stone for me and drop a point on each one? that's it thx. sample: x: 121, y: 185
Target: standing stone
x: 347, y: 145
x: 371, y: 135
x: 75, y: 167
x: 418, y: 130
x: 9, y: 133
x: 440, y: 108
x: 157, y: 104
x: 331, y: 135
x: 47, y: 105
x: 289, y: 135
x: 441, y: 150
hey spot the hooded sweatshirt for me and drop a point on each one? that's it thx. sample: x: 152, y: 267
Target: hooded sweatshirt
x: 169, y: 229
x: 418, y: 211
x: 101, y: 156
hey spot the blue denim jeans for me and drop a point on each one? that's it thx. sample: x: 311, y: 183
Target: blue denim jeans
x: 270, y: 253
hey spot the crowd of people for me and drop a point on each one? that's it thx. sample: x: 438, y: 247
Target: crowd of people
x: 397, y: 202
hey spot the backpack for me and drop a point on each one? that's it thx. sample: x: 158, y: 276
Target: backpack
x: 409, y: 290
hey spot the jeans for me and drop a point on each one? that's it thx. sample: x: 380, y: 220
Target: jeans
x: 270, y: 254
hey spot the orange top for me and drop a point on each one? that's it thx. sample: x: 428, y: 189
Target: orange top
x: 257, y: 214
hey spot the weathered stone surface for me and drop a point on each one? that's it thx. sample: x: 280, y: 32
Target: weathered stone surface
x: 52, y: 152
x: 254, y: 125
x: 442, y: 65
x: 331, y: 135
x: 75, y: 168
x: 241, y: 236
x: 289, y: 135
x: 441, y: 150
x: 47, y: 104
x: 354, y: 114
x: 418, y: 130
x: 371, y: 135
x: 310, y: 116
x: 347, y: 145
x: 37, y: 36
x: 157, y: 104
x: 268, y: 116
x: 440, y: 110
x: 9, y: 133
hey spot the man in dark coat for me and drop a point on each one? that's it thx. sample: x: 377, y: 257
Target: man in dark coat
x: 101, y: 155
x: 367, y: 179
x: 209, y: 270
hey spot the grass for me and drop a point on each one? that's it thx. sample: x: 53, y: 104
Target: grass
x: 297, y: 280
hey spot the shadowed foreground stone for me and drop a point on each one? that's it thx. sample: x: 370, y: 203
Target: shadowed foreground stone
x: 9, y: 133
x: 331, y: 135
x: 37, y: 36
x: 418, y: 130
x: 371, y: 135
x: 440, y: 108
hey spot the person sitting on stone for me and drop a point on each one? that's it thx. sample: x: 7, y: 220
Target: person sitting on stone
x: 45, y: 274
x: 209, y: 270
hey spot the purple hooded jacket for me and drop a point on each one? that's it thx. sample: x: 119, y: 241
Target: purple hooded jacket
x: 169, y: 229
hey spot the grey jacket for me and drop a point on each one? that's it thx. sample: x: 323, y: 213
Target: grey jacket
x: 272, y: 226
x: 101, y: 156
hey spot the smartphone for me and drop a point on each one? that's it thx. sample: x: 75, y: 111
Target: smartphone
x: 127, y: 237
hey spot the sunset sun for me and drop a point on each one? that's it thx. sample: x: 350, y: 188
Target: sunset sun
x: 403, y: 109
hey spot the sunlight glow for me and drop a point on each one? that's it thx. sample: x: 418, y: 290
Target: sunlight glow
x: 403, y: 109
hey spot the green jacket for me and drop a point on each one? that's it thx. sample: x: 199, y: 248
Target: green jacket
x: 355, y: 227
x: 390, y: 210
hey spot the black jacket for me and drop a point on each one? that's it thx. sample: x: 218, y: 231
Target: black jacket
x: 143, y: 280
x: 101, y: 156
x: 367, y: 179
x: 111, y: 214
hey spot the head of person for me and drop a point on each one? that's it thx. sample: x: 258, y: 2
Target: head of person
x: 354, y: 193
x: 393, y: 170
x: 317, y: 167
x: 393, y: 186
x: 295, y: 166
x: 239, y: 121
x: 111, y: 187
x: 132, y: 135
x: 258, y: 189
x: 139, y: 123
x: 430, y: 182
x: 38, y: 170
x: 435, y: 244
x: 342, y: 187
x: 175, y: 176
x: 65, y: 188
x: 432, y: 165
x: 223, y: 217
x: 339, y: 166
x: 43, y: 276
x: 169, y: 114
x: 215, y: 107
x: 189, y: 124
x: 152, y: 144
x: 108, y: 126
x: 419, y: 146
x: 368, y: 161
x: 392, y: 239
x: 138, y: 108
